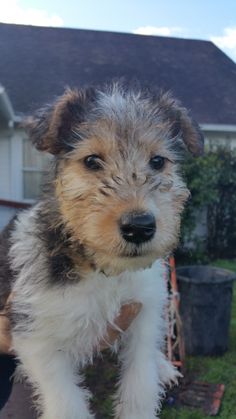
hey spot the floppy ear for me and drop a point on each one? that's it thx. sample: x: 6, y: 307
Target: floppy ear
x: 181, y: 124
x: 50, y: 128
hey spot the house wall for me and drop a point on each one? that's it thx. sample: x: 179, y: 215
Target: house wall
x: 5, y: 179
x: 214, y: 139
x: 10, y: 171
x: 6, y: 214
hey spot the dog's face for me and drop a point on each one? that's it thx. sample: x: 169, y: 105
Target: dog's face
x: 117, y: 182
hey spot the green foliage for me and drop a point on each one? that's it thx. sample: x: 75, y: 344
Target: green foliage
x: 212, y: 182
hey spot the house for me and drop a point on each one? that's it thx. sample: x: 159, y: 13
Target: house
x: 37, y: 63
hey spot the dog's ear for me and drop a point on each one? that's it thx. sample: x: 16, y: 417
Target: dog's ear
x: 181, y: 124
x: 50, y: 128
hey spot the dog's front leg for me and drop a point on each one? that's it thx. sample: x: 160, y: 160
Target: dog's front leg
x: 52, y: 375
x: 141, y: 384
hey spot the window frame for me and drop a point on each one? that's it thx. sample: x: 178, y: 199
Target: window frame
x: 17, y: 168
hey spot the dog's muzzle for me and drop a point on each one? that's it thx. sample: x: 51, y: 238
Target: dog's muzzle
x: 137, y: 227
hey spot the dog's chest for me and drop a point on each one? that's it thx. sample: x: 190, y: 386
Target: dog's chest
x: 75, y: 318
x: 78, y: 315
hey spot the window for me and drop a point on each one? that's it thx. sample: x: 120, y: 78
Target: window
x: 35, y: 167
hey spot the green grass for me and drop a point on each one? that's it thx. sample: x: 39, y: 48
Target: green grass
x: 226, y: 264
x: 215, y: 370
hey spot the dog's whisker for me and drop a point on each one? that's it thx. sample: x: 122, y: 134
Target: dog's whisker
x: 103, y: 192
x: 117, y: 179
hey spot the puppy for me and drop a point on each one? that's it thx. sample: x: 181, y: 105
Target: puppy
x: 96, y: 241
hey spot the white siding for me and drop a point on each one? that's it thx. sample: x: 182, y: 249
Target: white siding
x: 214, y: 139
x: 5, y: 215
x: 10, y: 171
x: 5, y: 166
x: 11, y: 164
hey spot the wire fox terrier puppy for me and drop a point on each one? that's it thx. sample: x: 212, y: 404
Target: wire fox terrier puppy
x: 95, y: 242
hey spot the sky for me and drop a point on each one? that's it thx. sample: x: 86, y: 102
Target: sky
x: 213, y: 20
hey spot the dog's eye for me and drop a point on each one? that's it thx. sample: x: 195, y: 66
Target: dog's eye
x: 157, y: 162
x: 93, y: 162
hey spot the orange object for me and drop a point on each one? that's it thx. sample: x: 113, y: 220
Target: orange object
x: 175, y: 341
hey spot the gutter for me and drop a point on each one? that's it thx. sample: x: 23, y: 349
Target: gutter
x: 218, y: 127
x: 6, y: 109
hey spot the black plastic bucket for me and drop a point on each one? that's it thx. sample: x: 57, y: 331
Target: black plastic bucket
x: 205, y: 308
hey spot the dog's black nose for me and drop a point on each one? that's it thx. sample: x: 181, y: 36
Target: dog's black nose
x: 137, y: 227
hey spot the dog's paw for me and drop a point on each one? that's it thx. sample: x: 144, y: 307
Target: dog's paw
x: 133, y: 413
x: 135, y: 416
x: 169, y: 375
x: 79, y: 416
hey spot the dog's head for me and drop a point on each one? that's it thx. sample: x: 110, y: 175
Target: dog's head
x: 117, y: 181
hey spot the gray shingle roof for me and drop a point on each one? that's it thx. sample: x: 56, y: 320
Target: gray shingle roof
x: 36, y: 63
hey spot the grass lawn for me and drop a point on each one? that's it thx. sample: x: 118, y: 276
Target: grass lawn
x: 215, y: 370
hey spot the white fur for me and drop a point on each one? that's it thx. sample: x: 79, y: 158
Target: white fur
x: 68, y: 323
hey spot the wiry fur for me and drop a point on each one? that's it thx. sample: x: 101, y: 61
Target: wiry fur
x: 73, y: 270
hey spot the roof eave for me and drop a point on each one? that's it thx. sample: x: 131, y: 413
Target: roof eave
x: 218, y: 127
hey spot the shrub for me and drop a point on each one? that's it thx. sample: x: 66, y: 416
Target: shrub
x: 212, y: 182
